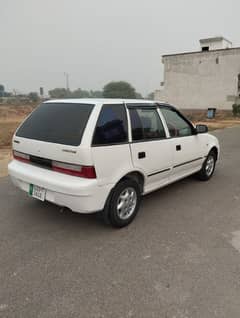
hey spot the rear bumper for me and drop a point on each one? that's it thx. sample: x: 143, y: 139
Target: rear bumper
x: 78, y: 194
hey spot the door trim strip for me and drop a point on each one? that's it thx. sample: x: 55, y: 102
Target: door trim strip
x: 187, y: 162
x: 155, y: 173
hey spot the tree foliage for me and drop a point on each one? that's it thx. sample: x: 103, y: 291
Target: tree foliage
x: 33, y: 96
x: 138, y: 96
x: 78, y: 93
x: 119, y: 90
x: 59, y: 93
x: 96, y: 94
x: 236, y: 110
x: 151, y: 96
x: 2, y: 90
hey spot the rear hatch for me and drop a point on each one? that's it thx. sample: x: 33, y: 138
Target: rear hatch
x: 51, y: 137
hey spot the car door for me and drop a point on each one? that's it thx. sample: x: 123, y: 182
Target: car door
x: 110, y: 145
x: 188, y: 147
x: 150, y: 149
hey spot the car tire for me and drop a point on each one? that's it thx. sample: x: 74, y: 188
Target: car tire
x: 208, y: 167
x: 123, y: 204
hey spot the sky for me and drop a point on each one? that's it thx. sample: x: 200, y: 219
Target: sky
x: 97, y: 41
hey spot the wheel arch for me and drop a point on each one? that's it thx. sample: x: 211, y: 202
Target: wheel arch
x: 132, y: 175
x: 136, y: 176
x: 215, y: 150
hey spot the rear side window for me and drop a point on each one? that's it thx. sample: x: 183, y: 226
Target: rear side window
x: 146, y: 124
x: 61, y: 123
x: 111, y: 126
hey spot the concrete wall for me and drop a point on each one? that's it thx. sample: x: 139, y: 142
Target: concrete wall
x: 201, y: 80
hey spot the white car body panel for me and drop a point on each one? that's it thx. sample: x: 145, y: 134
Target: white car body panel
x: 78, y: 194
x: 190, y: 157
x: 161, y: 166
x: 109, y: 163
x: 64, y: 153
x: 156, y: 171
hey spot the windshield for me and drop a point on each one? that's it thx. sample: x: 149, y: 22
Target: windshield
x: 61, y: 123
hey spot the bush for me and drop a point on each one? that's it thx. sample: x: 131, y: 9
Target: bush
x: 236, y: 110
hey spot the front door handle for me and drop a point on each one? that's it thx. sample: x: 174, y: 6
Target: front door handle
x: 178, y: 148
x: 141, y: 155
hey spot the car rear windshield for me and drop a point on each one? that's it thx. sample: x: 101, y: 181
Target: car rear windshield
x: 61, y: 123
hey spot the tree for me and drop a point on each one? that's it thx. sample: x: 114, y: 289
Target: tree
x: 79, y: 93
x: 2, y: 90
x: 59, y: 93
x: 119, y: 90
x: 236, y: 110
x: 151, y: 96
x: 96, y: 94
x: 33, y: 96
x: 138, y: 95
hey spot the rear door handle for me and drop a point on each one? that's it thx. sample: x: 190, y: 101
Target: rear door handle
x: 178, y: 148
x: 141, y: 155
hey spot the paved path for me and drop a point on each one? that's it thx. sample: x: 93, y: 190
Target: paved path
x: 180, y: 258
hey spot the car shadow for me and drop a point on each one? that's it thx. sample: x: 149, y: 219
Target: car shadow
x: 46, y: 212
x: 171, y: 188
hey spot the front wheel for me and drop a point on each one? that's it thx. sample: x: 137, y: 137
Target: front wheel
x: 208, y: 167
x: 123, y: 203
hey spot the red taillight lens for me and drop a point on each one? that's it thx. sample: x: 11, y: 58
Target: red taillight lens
x: 74, y: 170
x: 21, y: 156
x: 89, y: 172
x: 67, y: 168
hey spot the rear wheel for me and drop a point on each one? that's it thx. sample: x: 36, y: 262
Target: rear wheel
x: 208, y: 167
x: 123, y: 204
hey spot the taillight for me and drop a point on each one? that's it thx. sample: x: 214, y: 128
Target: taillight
x: 74, y: 170
x: 21, y: 156
x: 67, y: 168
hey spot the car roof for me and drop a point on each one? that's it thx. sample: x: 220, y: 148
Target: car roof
x: 103, y: 101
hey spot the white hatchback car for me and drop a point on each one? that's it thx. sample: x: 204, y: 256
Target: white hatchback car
x: 103, y: 155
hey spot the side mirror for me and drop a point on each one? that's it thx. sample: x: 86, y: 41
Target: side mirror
x: 201, y: 129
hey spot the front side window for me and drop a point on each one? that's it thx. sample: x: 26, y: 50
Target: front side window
x: 177, y: 126
x: 111, y: 126
x: 146, y: 124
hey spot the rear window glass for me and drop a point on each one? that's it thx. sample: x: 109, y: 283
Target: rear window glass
x: 61, y: 123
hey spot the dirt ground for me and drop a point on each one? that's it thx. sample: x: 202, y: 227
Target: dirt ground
x: 5, y: 157
x: 10, y: 119
x: 219, y: 124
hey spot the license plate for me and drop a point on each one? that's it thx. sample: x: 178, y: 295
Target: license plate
x: 37, y: 192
